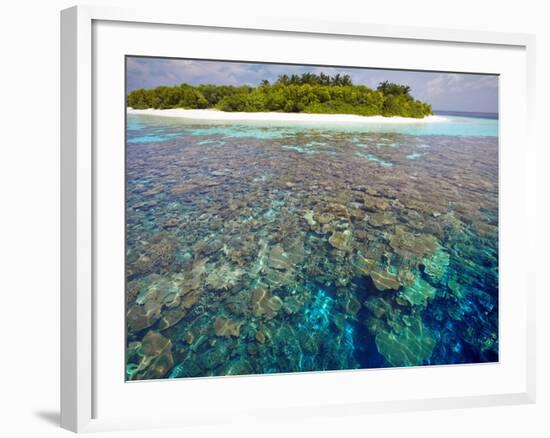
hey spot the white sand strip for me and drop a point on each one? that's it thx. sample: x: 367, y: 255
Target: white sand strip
x: 212, y: 114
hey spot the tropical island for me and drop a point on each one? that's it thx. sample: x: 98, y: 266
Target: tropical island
x: 307, y: 93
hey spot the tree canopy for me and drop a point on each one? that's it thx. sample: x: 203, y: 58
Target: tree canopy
x: 306, y: 93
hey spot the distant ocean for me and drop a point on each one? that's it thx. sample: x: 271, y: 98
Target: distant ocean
x: 477, y: 115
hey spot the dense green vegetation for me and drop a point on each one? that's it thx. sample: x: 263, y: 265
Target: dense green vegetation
x: 306, y: 93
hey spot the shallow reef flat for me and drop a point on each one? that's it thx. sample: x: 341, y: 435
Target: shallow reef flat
x: 265, y: 250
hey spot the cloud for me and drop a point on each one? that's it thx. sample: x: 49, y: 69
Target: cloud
x: 152, y: 72
x: 459, y: 83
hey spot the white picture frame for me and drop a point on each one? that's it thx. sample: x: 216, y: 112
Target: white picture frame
x: 81, y: 340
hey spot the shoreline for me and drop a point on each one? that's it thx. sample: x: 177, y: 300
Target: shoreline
x: 217, y: 115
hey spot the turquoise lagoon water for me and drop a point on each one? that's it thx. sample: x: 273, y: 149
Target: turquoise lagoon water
x: 263, y: 248
x: 463, y: 125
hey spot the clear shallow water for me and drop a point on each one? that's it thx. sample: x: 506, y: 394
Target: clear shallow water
x: 254, y: 249
x: 454, y: 126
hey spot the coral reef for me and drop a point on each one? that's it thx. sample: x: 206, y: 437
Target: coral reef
x: 227, y: 327
x: 384, y: 280
x: 340, y: 240
x: 418, y: 294
x: 410, y: 343
x: 264, y: 304
x: 154, y: 354
x: 346, y: 250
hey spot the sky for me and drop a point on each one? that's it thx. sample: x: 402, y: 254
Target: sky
x: 444, y: 91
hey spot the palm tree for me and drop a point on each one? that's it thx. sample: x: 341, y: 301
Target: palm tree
x: 283, y: 79
x: 383, y: 87
x: 309, y: 78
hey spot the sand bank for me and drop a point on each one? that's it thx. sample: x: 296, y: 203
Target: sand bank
x: 216, y: 115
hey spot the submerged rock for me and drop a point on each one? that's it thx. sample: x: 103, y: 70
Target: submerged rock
x: 338, y: 210
x: 154, y: 255
x: 379, y: 307
x: 260, y: 336
x: 407, y: 244
x: 418, y: 294
x: 411, y: 344
x: 364, y: 265
x: 383, y: 280
x: 227, y: 327
x: 308, y: 216
x: 278, y: 258
x: 294, y: 251
x: 351, y: 304
x: 325, y: 218
x: 375, y: 203
x: 265, y: 305
x: 341, y: 240
x: 139, y: 317
x: 156, y: 357
x: 381, y: 219
x: 171, y: 317
x: 437, y: 265
x: 224, y: 277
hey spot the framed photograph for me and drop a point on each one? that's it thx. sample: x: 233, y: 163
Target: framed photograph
x: 290, y: 218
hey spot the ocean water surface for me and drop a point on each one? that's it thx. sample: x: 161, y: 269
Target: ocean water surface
x: 264, y: 248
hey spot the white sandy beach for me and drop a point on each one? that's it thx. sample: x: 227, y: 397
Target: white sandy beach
x: 216, y: 115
